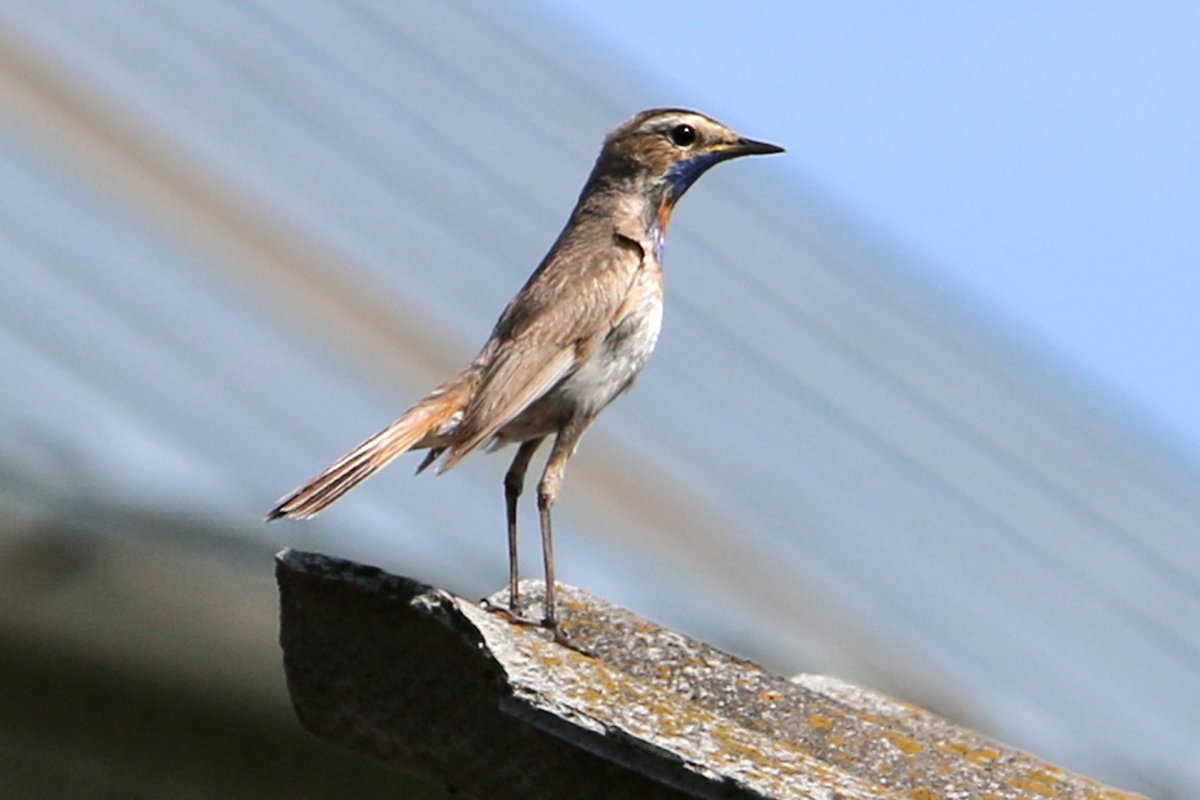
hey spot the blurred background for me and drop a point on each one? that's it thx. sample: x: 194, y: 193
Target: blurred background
x: 922, y: 415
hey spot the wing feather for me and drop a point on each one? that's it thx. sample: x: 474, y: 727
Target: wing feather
x: 555, y: 322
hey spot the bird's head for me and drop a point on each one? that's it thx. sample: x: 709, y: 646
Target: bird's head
x: 669, y: 148
x: 657, y: 155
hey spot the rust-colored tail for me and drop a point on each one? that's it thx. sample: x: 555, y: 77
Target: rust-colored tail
x: 422, y: 420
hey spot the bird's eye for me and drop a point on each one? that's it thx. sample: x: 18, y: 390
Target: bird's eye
x: 683, y: 135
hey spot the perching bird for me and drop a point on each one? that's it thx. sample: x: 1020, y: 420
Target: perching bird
x: 573, y: 339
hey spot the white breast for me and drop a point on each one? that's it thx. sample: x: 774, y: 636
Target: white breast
x: 615, y: 364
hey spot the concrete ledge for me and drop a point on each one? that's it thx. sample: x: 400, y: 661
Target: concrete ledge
x: 410, y: 675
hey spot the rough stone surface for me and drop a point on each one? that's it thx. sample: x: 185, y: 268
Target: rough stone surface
x: 408, y: 674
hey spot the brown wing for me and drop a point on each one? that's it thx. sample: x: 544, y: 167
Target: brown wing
x: 556, y: 320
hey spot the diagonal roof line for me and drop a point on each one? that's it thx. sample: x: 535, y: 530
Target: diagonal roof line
x: 303, y: 274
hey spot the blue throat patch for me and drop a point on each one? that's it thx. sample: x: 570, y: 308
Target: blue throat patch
x: 684, y: 173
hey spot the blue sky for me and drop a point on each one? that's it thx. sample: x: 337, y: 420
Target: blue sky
x: 1043, y: 159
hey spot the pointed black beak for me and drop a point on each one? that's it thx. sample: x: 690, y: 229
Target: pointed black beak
x: 749, y: 147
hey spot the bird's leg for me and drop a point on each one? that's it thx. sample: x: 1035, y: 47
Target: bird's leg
x: 564, y: 446
x: 514, y: 482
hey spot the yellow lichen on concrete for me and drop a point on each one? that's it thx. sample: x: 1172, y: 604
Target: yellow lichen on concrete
x: 878, y: 751
x: 846, y: 757
x: 952, y: 748
x: 1030, y: 785
x: 983, y: 755
x: 910, y: 747
x: 924, y: 793
x: 1047, y: 774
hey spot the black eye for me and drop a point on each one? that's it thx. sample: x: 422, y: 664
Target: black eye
x: 683, y: 135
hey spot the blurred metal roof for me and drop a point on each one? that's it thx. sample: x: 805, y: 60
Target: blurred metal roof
x: 241, y: 236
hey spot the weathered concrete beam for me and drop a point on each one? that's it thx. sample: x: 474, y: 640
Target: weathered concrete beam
x: 408, y: 674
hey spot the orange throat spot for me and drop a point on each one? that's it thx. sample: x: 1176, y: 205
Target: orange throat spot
x: 664, y: 222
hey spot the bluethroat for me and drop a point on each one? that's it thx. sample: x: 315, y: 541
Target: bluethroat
x: 573, y: 339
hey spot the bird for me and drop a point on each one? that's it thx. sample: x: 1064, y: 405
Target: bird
x: 573, y: 339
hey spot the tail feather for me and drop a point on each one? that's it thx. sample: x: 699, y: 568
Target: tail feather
x: 422, y: 420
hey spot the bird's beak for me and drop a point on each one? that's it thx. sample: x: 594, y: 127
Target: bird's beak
x: 748, y: 147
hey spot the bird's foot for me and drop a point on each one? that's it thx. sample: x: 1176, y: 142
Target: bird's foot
x: 559, y: 636
x: 516, y: 617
